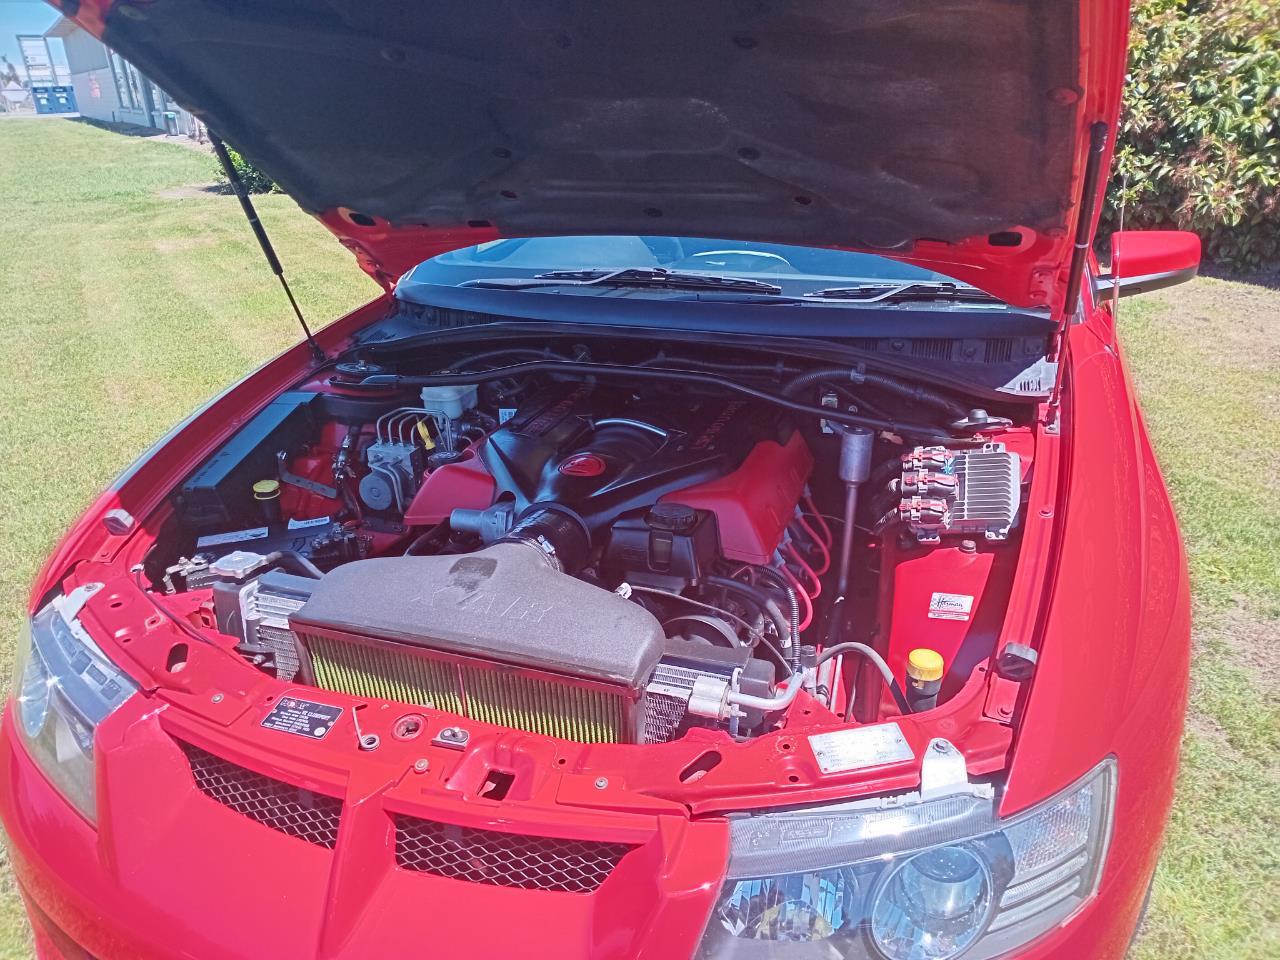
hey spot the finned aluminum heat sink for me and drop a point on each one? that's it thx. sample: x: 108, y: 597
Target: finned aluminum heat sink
x: 960, y: 492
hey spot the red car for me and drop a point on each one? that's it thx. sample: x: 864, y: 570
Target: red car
x: 731, y: 534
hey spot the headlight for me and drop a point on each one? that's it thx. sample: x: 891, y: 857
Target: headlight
x: 905, y: 879
x: 64, y: 686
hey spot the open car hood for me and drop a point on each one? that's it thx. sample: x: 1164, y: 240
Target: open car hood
x: 948, y: 133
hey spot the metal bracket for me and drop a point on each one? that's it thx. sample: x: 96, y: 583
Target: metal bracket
x: 455, y: 738
x: 1002, y: 698
x: 943, y: 771
x: 294, y: 480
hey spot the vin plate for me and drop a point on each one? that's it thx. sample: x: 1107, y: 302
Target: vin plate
x: 303, y: 717
x: 843, y: 750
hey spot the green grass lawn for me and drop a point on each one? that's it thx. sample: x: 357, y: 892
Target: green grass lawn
x: 127, y: 298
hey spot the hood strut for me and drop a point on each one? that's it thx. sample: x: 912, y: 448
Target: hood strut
x: 264, y: 241
x: 1093, y: 172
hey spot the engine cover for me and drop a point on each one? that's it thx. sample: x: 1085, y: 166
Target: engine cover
x: 600, y: 453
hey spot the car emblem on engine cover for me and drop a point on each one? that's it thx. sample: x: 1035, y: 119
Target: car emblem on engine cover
x: 583, y: 465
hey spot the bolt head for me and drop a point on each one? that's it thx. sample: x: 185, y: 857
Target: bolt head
x: 217, y: 698
x: 421, y: 765
x: 602, y: 782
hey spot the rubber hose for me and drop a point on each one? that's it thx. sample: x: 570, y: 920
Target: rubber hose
x: 381, y: 381
x: 874, y: 656
x: 900, y: 388
x: 551, y: 525
x: 757, y: 596
x: 509, y: 352
x: 300, y: 564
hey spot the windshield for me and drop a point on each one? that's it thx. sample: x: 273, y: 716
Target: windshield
x: 797, y: 270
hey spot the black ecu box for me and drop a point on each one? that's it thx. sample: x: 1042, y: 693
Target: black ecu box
x: 219, y: 495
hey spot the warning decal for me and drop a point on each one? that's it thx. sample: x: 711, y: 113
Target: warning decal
x: 303, y: 717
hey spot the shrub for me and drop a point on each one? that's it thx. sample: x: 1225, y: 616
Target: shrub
x: 1200, y: 140
x: 254, y: 180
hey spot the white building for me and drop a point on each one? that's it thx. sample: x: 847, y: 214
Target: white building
x: 111, y: 89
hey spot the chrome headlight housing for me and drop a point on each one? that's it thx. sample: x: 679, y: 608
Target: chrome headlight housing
x: 910, y: 879
x: 64, y: 686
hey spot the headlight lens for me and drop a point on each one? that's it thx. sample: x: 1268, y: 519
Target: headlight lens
x: 933, y: 905
x: 905, y: 879
x: 64, y: 686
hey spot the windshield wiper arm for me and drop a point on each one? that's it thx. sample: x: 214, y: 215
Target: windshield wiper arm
x: 644, y: 277
x: 898, y: 293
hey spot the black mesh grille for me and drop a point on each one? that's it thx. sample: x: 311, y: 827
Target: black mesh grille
x: 299, y: 812
x: 999, y: 350
x: 932, y: 348
x: 504, y: 859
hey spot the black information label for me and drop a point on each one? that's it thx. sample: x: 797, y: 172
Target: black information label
x: 303, y: 717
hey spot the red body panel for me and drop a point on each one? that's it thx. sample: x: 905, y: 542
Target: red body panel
x: 754, y: 504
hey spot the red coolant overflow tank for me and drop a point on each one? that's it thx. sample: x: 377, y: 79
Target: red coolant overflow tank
x: 948, y: 599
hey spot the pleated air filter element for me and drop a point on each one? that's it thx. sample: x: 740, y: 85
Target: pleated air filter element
x: 492, y: 693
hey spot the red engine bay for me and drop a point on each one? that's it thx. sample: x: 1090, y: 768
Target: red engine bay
x: 718, y: 524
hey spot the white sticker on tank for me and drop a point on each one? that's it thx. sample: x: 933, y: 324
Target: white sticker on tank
x: 213, y: 539
x: 303, y: 524
x: 950, y: 606
x: 874, y: 746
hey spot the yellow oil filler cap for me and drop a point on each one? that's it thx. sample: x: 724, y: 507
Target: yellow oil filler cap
x: 925, y: 664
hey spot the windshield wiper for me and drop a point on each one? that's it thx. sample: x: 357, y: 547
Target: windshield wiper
x: 643, y: 277
x: 902, y: 292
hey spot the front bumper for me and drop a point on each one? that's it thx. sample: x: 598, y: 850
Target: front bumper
x: 173, y: 874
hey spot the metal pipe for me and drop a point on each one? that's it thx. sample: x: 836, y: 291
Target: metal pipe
x: 855, y: 468
x: 794, y: 684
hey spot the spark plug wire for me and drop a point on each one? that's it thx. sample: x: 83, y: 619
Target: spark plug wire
x: 821, y: 520
x: 794, y: 556
x: 823, y: 548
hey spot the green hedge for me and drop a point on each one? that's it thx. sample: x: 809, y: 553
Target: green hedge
x: 1200, y: 138
x: 254, y: 180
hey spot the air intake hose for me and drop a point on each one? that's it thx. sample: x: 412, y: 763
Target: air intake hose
x: 556, y: 531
